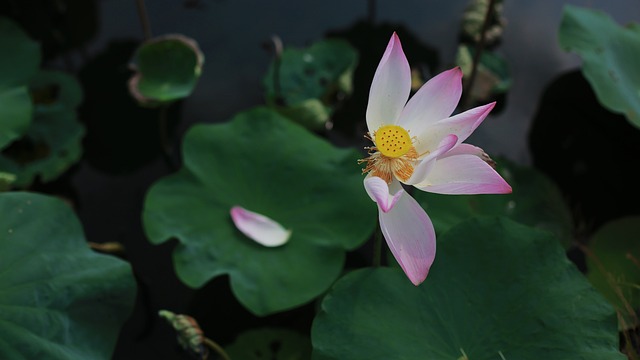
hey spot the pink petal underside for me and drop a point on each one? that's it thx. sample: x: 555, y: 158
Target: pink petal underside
x: 259, y: 228
x: 378, y: 191
x: 462, y: 125
x: 410, y: 236
x: 390, y: 87
x: 462, y: 149
x: 423, y: 168
x: 463, y: 174
x: 435, y: 100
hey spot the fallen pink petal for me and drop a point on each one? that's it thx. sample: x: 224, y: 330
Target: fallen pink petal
x: 259, y: 228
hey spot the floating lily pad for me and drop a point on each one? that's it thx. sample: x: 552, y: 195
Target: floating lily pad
x: 58, y: 299
x: 497, y: 290
x: 613, y: 262
x: 53, y: 141
x: 610, y: 55
x: 535, y: 201
x: 167, y: 69
x: 270, y: 343
x: 19, y: 61
x: 322, y: 72
x: 267, y: 164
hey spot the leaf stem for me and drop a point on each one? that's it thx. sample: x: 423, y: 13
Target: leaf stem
x: 467, y: 100
x: 377, y: 247
x: 163, y: 133
x: 277, y: 51
x: 144, y: 19
x: 371, y: 11
x: 217, y: 348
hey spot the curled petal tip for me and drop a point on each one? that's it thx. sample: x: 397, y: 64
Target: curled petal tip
x: 378, y: 191
x: 259, y: 228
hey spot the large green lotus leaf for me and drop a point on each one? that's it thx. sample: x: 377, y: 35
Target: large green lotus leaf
x: 610, y: 55
x: 270, y: 165
x: 20, y: 55
x: 323, y: 71
x: 53, y: 141
x: 168, y: 68
x: 497, y: 290
x: 19, y: 61
x: 535, y: 201
x: 613, y: 263
x: 58, y: 299
x: 270, y: 343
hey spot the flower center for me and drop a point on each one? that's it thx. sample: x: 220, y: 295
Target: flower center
x: 392, y: 141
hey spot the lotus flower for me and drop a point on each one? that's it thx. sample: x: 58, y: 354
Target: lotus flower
x: 419, y: 143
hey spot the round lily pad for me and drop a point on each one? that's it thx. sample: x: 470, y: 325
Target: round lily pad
x: 53, y: 141
x: 497, y: 290
x: 613, y: 263
x: 270, y: 343
x: 267, y: 164
x: 167, y: 69
x: 58, y: 299
x: 19, y: 61
x: 610, y: 55
x: 535, y: 201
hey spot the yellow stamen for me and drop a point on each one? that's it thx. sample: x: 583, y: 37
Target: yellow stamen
x: 392, y: 141
x: 393, y: 154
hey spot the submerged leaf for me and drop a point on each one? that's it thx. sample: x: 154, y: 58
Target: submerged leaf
x: 53, y: 141
x: 306, y: 84
x: 270, y: 343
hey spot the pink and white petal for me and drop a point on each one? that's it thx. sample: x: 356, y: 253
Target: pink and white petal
x: 379, y: 192
x: 390, y: 87
x: 465, y: 149
x: 410, y: 236
x: 425, y: 165
x: 435, y: 100
x: 462, y: 125
x: 259, y: 228
x: 463, y: 174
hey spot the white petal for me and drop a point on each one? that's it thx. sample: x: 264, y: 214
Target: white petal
x: 436, y: 100
x: 259, y: 228
x: 378, y: 191
x: 390, y: 87
x: 425, y: 165
x: 462, y: 125
x: 410, y: 236
x: 463, y: 174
